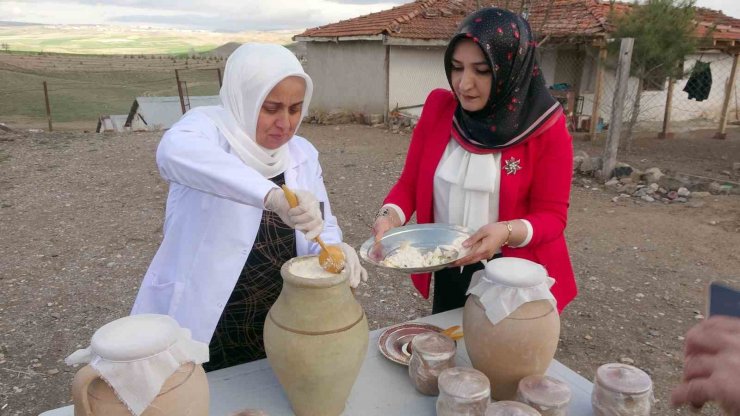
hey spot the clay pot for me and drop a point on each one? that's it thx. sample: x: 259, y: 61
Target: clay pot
x: 129, y: 348
x: 519, y: 345
x: 316, y: 338
x: 184, y: 393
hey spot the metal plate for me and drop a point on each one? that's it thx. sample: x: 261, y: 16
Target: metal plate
x: 393, y: 342
x: 425, y: 237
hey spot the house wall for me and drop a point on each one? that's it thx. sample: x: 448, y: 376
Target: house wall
x: 347, y: 76
x: 414, y: 71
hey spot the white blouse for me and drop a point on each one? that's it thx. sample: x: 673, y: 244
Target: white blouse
x: 467, y: 189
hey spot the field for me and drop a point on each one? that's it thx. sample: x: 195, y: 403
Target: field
x: 114, y: 40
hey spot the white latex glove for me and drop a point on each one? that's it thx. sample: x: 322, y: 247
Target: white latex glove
x: 305, y: 217
x: 352, y: 265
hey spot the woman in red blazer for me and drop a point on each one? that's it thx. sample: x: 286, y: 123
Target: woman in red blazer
x: 494, y: 155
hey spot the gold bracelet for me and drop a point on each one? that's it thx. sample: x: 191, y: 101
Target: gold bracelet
x: 510, y: 229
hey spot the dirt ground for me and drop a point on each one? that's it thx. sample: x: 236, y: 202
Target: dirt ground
x: 81, y: 217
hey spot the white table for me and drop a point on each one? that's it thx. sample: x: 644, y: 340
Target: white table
x: 382, y: 388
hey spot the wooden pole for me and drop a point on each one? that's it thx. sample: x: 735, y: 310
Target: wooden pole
x: 722, y: 133
x: 179, y: 91
x: 595, y: 113
x: 48, y: 107
x: 220, y: 80
x: 615, y: 124
x: 666, y: 134
x: 387, y: 70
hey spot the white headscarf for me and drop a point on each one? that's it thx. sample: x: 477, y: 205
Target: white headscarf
x: 252, y: 71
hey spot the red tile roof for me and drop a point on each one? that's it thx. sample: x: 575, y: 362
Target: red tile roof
x: 438, y: 19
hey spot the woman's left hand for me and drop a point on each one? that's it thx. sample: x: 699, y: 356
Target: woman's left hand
x: 355, y: 270
x: 483, y: 244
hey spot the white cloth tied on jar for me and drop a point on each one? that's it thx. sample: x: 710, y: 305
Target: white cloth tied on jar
x: 135, y: 355
x: 509, y: 282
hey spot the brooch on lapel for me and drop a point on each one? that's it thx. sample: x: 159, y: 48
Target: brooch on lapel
x: 512, y: 166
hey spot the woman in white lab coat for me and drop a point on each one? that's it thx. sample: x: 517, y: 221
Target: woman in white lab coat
x: 228, y: 227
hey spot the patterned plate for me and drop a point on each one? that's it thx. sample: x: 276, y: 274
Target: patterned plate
x: 393, y: 342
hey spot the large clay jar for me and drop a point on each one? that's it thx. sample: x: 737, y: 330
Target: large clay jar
x: 184, y: 393
x: 316, y: 338
x: 141, y: 364
x: 511, y: 324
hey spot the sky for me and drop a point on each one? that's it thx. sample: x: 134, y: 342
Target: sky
x: 217, y: 15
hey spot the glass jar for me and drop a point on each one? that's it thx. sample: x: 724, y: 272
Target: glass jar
x: 547, y: 395
x: 463, y: 391
x: 431, y: 353
x: 621, y: 389
x: 510, y: 408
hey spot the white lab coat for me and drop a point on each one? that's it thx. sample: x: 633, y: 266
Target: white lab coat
x: 214, y: 208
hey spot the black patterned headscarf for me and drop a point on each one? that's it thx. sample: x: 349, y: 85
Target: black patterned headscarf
x: 519, y: 104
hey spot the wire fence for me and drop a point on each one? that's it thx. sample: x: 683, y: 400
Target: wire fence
x: 696, y: 103
x: 82, y: 89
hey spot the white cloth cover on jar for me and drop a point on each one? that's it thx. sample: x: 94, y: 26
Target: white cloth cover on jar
x: 509, y: 282
x: 135, y: 355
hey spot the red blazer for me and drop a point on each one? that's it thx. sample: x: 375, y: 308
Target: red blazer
x: 539, y: 192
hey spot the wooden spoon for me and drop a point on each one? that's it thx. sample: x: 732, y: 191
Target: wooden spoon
x: 331, y: 258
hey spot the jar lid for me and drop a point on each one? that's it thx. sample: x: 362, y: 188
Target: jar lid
x: 623, y: 378
x: 544, y: 391
x: 515, y: 272
x: 510, y: 408
x: 134, y: 337
x: 464, y: 383
x: 433, y: 346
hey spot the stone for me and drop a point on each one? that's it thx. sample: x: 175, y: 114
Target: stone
x: 683, y: 192
x: 626, y: 360
x: 52, y: 372
x: 588, y: 165
x: 625, y: 181
x: 647, y: 198
x: 670, y: 183
x: 653, y: 188
x: 680, y: 199
x: 622, y: 170
x: 612, y: 183
x: 636, y: 175
x: 652, y: 175
x: 582, y: 154
x: 629, y: 189
x: 577, y: 161
x: 373, y: 119
x: 736, y: 166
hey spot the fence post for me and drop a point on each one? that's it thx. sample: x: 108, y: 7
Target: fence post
x: 48, y: 107
x: 665, y: 134
x: 615, y: 124
x: 179, y: 91
x: 722, y: 133
x: 595, y: 113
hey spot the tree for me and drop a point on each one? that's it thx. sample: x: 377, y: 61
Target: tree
x: 5, y: 46
x: 664, y: 35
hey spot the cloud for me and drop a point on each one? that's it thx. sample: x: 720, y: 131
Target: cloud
x: 219, y: 15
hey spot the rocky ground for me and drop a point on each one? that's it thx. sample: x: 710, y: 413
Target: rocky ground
x: 81, y: 217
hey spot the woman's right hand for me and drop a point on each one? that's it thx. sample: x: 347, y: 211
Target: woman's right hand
x: 386, y: 219
x: 306, y: 216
